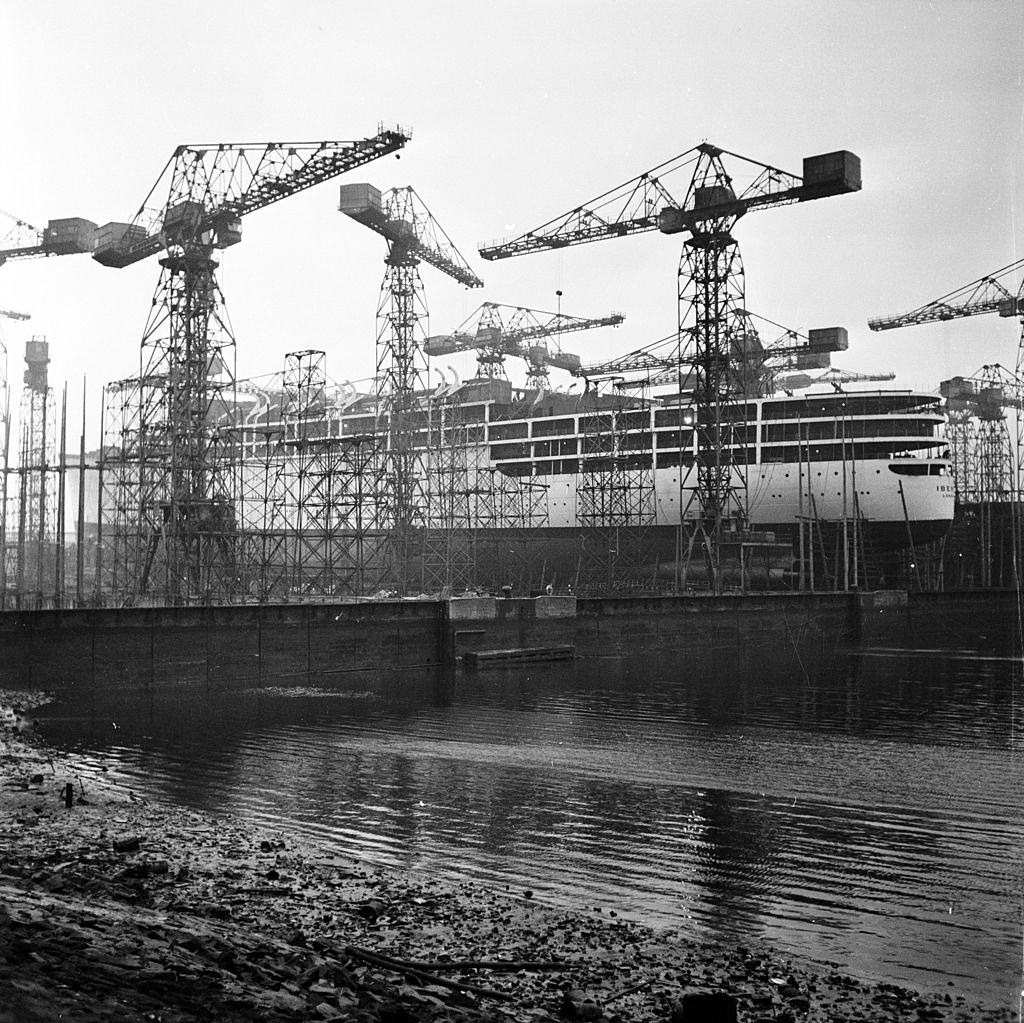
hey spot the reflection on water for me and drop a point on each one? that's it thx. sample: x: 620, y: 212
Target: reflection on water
x: 859, y: 807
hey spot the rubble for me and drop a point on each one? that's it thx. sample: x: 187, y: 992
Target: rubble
x: 116, y: 908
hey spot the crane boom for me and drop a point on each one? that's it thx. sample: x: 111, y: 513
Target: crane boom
x: 496, y: 330
x: 487, y: 326
x: 643, y: 360
x: 986, y: 295
x: 644, y: 203
x: 836, y: 377
x: 211, y: 187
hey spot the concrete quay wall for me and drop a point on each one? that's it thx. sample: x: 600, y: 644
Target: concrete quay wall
x: 616, y: 627
x: 338, y: 644
x: 307, y: 644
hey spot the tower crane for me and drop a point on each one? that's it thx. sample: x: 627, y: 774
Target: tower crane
x: 710, y: 277
x: 496, y: 331
x: 413, y: 236
x: 988, y: 294
x: 176, y: 481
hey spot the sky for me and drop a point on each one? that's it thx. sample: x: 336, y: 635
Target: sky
x: 521, y: 111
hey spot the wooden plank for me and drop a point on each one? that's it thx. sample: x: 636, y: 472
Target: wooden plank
x: 564, y: 652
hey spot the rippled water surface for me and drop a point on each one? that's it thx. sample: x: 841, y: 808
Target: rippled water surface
x: 861, y: 807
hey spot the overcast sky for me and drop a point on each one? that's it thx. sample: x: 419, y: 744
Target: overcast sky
x: 521, y: 111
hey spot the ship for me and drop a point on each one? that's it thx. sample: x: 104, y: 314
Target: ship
x: 496, y: 462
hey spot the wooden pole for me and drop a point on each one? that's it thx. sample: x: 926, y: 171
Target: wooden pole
x: 59, y: 560
x: 41, y: 534
x: 6, y: 399
x: 99, y: 499
x: 80, y: 522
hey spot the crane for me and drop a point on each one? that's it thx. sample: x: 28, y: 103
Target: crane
x: 988, y: 294
x: 710, y: 277
x: 413, y: 236
x: 496, y: 331
x: 175, y: 481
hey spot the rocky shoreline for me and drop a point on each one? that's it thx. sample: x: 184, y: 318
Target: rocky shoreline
x: 114, y: 908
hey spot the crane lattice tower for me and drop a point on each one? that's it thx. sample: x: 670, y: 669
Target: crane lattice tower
x: 412, y: 236
x: 175, y: 480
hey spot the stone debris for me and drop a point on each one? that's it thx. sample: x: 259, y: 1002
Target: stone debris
x: 118, y: 909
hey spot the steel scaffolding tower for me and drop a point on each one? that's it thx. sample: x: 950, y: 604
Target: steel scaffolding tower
x: 262, y: 513
x: 328, y: 486
x: 615, y: 493
x: 453, y: 487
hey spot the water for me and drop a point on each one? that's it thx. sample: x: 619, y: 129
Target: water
x: 859, y: 807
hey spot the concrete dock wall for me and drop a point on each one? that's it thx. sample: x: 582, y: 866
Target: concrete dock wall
x: 225, y: 646
x: 616, y: 627
x: 342, y: 644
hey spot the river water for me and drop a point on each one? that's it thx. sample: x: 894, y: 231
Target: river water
x: 860, y: 807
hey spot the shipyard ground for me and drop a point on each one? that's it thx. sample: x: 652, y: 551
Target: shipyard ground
x: 117, y: 908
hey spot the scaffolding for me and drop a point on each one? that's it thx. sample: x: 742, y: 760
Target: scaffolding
x: 172, y: 477
x: 449, y: 534
x: 615, y: 495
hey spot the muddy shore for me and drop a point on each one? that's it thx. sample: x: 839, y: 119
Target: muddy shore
x: 115, y: 908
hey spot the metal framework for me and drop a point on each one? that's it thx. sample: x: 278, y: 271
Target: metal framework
x: 496, y: 331
x: 22, y: 240
x: 987, y: 451
x: 985, y: 465
x: 710, y: 289
x: 453, y: 481
x: 988, y: 294
x: 175, y: 479
x: 413, y: 236
x: 615, y: 493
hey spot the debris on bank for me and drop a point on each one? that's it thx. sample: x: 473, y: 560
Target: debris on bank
x: 114, y: 908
